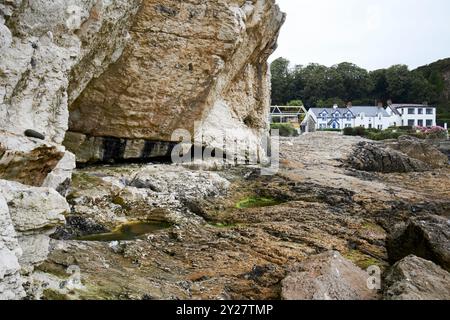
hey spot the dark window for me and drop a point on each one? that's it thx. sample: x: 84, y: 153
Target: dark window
x: 411, y: 111
x: 411, y: 123
x: 429, y: 111
x: 429, y: 123
x: 420, y: 111
x: 420, y: 122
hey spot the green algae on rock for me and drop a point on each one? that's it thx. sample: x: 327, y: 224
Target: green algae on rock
x: 257, y: 202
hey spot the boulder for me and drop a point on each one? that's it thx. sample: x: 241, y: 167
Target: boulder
x: 35, y: 214
x: 414, y: 278
x: 427, y: 237
x: 421, y: 150
x: 375, y: 157
x: 327, y: 276
x: 34, y: 162
x: 33, y: 208
x: 27, y: 160
x: 60, y: 177
x: 205, y: 64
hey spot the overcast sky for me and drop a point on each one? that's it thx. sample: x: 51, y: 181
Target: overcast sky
x: 371, y: 33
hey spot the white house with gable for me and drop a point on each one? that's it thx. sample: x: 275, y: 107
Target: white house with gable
x: 340, y: 118
x: 414, y: 115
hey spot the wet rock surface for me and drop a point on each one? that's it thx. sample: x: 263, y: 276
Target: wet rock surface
x: 216, y: 249
x: 414, y: 278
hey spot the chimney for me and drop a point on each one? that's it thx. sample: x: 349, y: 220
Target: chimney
x: 380, y: 104
x: 425, y: 103
x: 389, y: 102
x: 349, y: 104
x: 335, y: 106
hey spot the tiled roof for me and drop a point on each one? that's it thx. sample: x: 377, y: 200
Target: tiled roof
x: 356, y: 111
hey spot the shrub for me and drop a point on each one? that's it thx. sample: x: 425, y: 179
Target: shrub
x: 383, y: 135
x: 331, y: 130
x: 433, y: 132
x: 349, y: 132
x: 360, y: 131
x: 286, y: 129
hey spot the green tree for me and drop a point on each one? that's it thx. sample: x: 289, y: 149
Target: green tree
x: 379, y: 85
x: 398, y: 83
x: 330, y: 102
x: 420, y: 89
x: 355, y: 81
x: 281, y: 81
x: 318, y: 85
x: 294, y: 103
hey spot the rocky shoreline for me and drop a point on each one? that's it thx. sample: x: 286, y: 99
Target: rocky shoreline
x: 109, y: 84
x: 215, y: 250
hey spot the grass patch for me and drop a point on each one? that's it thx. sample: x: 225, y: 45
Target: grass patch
x: 223, y: 225
x: 257, y: 202
x: 373, y: 227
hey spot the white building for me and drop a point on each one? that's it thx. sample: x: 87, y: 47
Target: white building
x: 414, y: 115
x: 369, y: 117
x: 340, y: 118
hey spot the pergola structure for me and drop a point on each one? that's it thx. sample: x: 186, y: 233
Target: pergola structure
x: 288, y: 114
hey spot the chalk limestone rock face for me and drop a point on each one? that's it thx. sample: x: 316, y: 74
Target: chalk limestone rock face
x: 61, y: 176
x: 10, y: 252
x: 49, y: 51
x: 189, y: 63
x: 35, y: 213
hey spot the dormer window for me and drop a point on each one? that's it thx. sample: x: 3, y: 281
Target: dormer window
x: 323, y: 115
